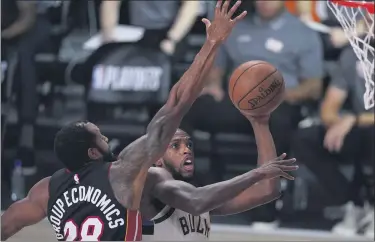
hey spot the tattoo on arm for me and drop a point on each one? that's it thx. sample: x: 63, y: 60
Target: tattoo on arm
x: 129, y: 173
x: 162, y: 127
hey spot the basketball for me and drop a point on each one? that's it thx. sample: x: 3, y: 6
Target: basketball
x: 256, y: 88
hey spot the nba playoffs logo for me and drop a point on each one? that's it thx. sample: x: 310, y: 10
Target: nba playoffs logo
x: 76, y: 179
x: 127, y: 78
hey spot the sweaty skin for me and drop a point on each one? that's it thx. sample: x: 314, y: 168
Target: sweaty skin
x: 239, y: 194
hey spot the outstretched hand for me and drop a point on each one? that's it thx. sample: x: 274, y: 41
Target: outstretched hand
x: 222, y: 25
x: 277, y: 167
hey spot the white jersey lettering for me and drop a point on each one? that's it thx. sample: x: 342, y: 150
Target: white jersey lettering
x: 176, y: 225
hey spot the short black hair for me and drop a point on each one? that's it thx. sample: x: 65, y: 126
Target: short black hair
x: 71, y: 145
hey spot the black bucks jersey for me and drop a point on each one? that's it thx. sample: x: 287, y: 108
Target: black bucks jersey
x: 83, y: 207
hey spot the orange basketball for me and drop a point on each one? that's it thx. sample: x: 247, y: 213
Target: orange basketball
x: 256, y: 88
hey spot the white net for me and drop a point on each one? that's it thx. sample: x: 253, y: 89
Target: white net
x: 357, y: 20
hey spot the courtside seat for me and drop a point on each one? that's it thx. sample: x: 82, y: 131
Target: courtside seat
x: 47, y: 59
x: 232, y: 154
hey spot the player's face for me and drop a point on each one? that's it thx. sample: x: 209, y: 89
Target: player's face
x: 179, y: 157
x: 268, y: 9
x: 101, y: 151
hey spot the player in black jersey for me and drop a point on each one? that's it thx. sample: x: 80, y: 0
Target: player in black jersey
x: 88, y: 201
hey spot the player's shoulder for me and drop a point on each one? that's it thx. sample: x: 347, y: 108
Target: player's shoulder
x: 158, y: 174
x: 41, y: 188
x: 293, y: 20
x: 155, y: 176
x: 58, y: 176
x: 43, y: 182
x: 59, y: 172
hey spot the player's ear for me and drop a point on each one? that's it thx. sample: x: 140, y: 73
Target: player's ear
x: 93, y: 153
x: 159, y: 163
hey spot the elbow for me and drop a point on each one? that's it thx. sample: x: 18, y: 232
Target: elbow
x: 27, y: 21
x: 271, y: 196
x: 327, y: 119
x: 274, y: 195
x: 328, y: 116
x: 316, y: 89
x: 270, y: 193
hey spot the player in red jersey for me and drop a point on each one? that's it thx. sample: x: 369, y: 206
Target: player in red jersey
x: 95, y: 199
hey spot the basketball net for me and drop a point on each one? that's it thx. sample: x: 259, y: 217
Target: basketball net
x: 357, y: 19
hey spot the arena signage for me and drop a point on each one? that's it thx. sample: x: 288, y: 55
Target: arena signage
x: 127, y: 78
x: 130, y: 74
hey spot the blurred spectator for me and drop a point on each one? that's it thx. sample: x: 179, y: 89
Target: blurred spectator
x: 24, y: 30
x: 318, y: 11
x: 166, y: 22
x: 307, y: 10
x: 346, y: 137
x: 338, y: 37
x: 248, y: 6
x: 272, y: 35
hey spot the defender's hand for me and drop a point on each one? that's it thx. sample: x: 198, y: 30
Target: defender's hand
x: 222, y: 25
x: 277, y: 167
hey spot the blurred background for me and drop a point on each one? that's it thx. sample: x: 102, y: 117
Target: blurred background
x: 113, y: 63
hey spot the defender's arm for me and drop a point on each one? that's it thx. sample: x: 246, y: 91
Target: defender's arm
x: 27, y: 211
x: 128, y: 174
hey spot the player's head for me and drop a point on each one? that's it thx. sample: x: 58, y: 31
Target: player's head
x: 179, y: 157
x: 79, y: 143
x: 268, y: 9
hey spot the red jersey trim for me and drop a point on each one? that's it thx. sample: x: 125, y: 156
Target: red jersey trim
x: 133, y: 226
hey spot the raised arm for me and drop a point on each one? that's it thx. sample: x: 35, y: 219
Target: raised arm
x: 24, y: 22
x: 196, y: 201
x: 109, y: 17
x: 128, y: 174
x: 184, y: 21
x: 264, y: 191
x: 27, y: 211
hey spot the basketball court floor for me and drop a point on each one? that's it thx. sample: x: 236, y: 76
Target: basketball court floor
x: 43, y: 232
